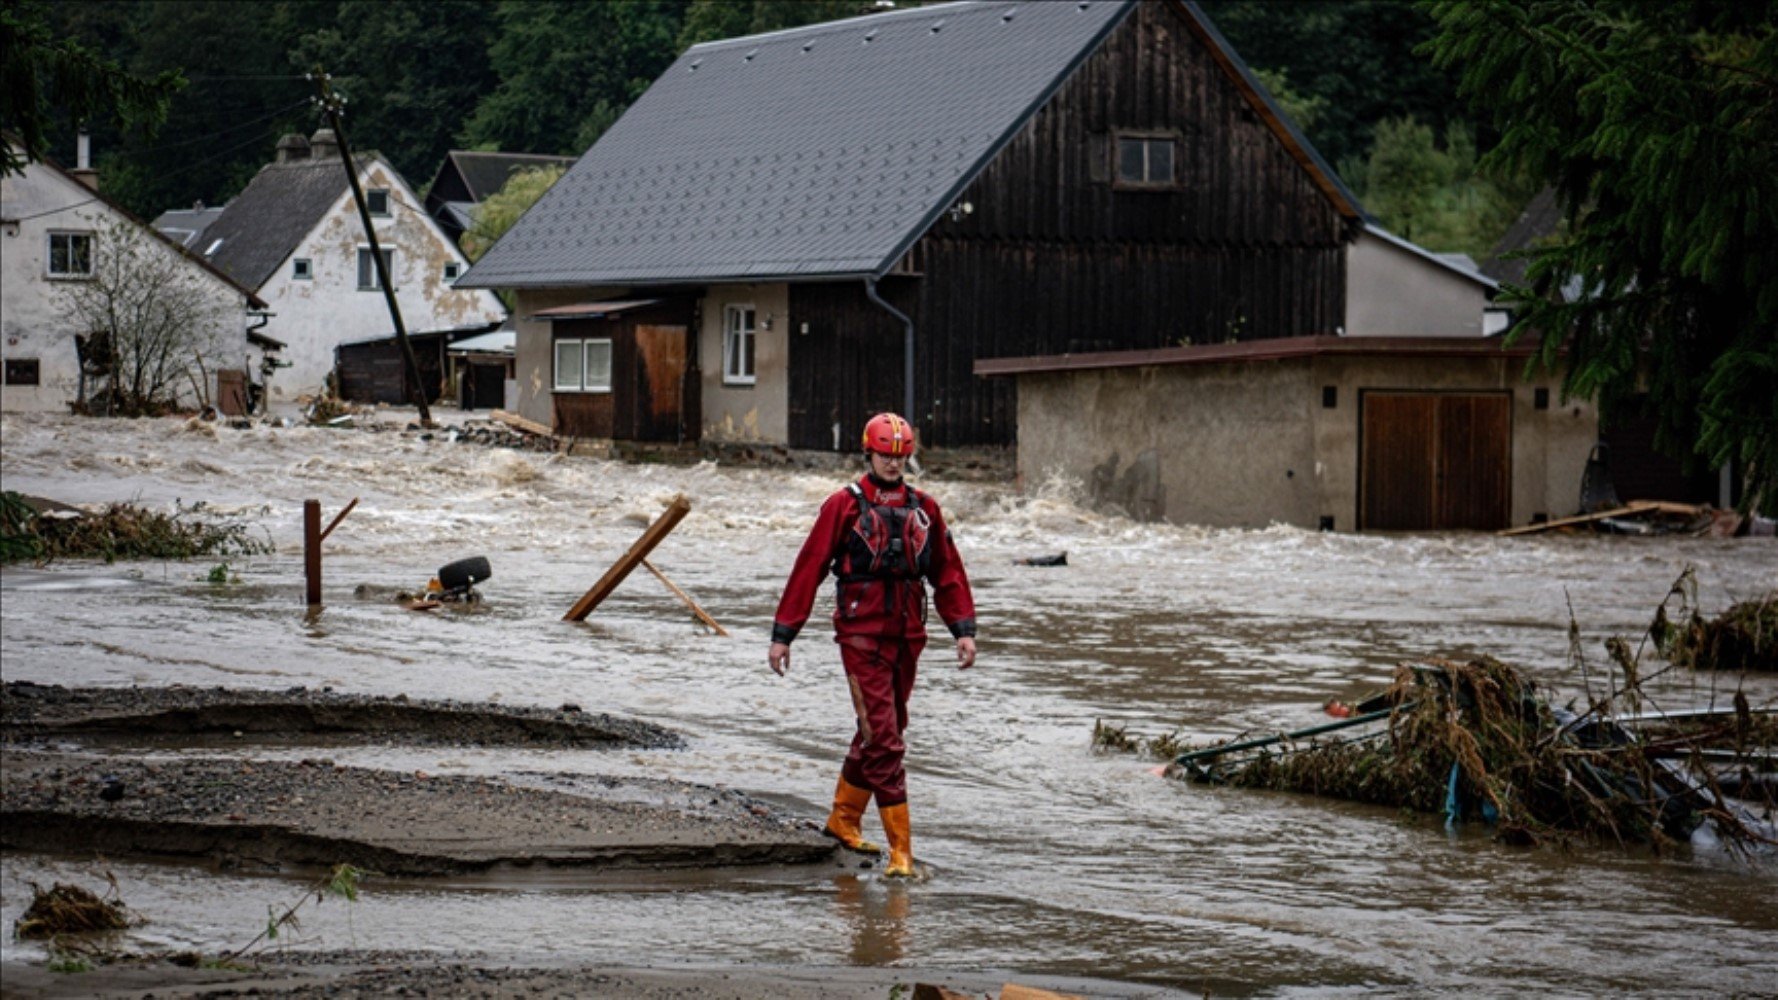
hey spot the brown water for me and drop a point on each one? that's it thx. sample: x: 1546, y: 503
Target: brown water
x: 1049, y: 858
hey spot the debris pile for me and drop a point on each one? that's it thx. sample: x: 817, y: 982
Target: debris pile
x: 1474, y: 740
x: 1745, y: 637
x: 120, y: 531
x: 69, y: 909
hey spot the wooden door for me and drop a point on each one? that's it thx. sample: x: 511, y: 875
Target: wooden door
x: 659, y: 399
x: 1435, y: 461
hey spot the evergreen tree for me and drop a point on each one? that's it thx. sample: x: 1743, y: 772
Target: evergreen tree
x: 42, y: 74
x: 1658, y: 126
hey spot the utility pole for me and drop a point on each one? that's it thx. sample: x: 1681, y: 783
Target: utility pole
x: 331, y: 104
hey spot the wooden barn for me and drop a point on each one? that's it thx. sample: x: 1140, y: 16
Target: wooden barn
x: 855, y: 213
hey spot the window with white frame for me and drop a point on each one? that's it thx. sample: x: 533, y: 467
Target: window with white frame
x: 737, y: 345
x: 583, y: 365
x: 302, y: 269
x: 70, y: 255
x: 452, y: 270
x: 367, y: 269
x: 377, y: 201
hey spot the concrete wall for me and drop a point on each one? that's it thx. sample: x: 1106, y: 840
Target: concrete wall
x: 1250, y: 444
x: 314, y: 315
x: 36, y: 321
x: 1394, y: 292
x: 751, y: 413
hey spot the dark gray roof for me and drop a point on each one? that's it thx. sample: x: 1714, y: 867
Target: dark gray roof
x: 185, y: 226
x: 822, y: 151
x: 486, y: 173
x: 1541, y: 219
x: 267, y: 220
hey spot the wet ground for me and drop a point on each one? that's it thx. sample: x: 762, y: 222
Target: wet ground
x: 1048, y: 858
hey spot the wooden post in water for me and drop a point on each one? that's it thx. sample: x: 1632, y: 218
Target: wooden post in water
x: 312, y: 549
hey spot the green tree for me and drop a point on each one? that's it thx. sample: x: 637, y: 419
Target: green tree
x: 1432, y: 192
x: 410, y: 69
x: 566, y: 71
x: 1657, y: 124
x: 1358, y: 56
x: 1304, y: 109
x: 224, y: 124
x: 497, y: 213
x: 42, y: 74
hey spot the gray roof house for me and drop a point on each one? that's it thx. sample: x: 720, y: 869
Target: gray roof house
x: 845, y: 217
x: 469, y: 177
x: 295, y: 237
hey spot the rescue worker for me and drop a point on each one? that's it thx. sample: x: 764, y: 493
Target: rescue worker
x: 882, y: 539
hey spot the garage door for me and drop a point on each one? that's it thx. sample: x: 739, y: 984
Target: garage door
x: 1435, y: 461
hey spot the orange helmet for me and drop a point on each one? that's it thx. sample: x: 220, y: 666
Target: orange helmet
x: 888, y: 434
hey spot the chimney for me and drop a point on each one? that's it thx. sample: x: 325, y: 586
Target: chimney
x: 323, y: 145
x: 291, y: 148
x: 83, y: 161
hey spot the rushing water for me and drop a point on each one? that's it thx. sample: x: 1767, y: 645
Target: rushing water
x: 1049, y: 858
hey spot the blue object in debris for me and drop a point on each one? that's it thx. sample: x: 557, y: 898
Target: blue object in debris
x: 1453, y: 808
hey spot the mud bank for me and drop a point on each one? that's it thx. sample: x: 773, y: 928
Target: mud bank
x: 382, y: 975
x: 137, y: 714
x: 276, y: 814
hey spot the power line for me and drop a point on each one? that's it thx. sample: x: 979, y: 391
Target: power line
x: 268, y: 116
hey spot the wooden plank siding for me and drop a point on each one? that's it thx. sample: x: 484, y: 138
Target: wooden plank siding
x: 1435, y: 461
x: 652, y: 375
x: 1054, y: 259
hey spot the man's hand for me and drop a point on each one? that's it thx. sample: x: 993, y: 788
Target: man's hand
x: 966, y: 652
x: 779, y: 658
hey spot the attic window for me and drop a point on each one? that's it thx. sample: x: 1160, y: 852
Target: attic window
x: 451, y: 271
x: 377, y: 200
x: 1145, y: 161
x: 301, y: 269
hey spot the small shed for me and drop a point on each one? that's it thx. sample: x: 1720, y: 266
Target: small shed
x: 623, y: 369
x: 482, y: 368
x: 373, y: 371
x: 1336, y: 433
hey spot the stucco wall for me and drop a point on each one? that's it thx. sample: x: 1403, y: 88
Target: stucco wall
x: 758, y: 412
x: 1392, y: 292
x: 35, y: 321
x: 533, y: 358
x: 317, y: 314
x: 1248, y: 445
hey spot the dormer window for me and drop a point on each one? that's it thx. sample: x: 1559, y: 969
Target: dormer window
x: 377, y: 200
x: 1145, y: 161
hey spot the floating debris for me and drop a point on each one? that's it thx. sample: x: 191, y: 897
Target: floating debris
x: 69, y: 909
x: 1474, y: 740
x: 1745, y: 637
x: 120, y: 531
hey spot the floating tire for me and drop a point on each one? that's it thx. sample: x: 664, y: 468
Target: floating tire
x: 464, y: 573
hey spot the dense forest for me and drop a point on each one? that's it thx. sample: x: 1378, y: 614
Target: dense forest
x: 426, y: 76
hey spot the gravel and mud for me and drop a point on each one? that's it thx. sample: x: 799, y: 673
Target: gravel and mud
x: 278, y: 814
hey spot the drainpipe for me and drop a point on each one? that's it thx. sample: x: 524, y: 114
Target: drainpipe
x: 907, y: 366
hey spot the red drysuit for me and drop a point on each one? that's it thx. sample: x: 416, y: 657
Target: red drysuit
x: 879, y: 616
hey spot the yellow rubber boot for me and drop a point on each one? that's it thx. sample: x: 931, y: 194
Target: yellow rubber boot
x: 845, y: 823
x: 901, y: 841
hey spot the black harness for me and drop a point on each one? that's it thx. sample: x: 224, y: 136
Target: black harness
x: 887, y: 541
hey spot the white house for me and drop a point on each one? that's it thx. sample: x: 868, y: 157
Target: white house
x: 60, y: 238
x: 295, y: 238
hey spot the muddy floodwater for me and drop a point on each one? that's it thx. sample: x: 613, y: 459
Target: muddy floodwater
x: 1048, y: 858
